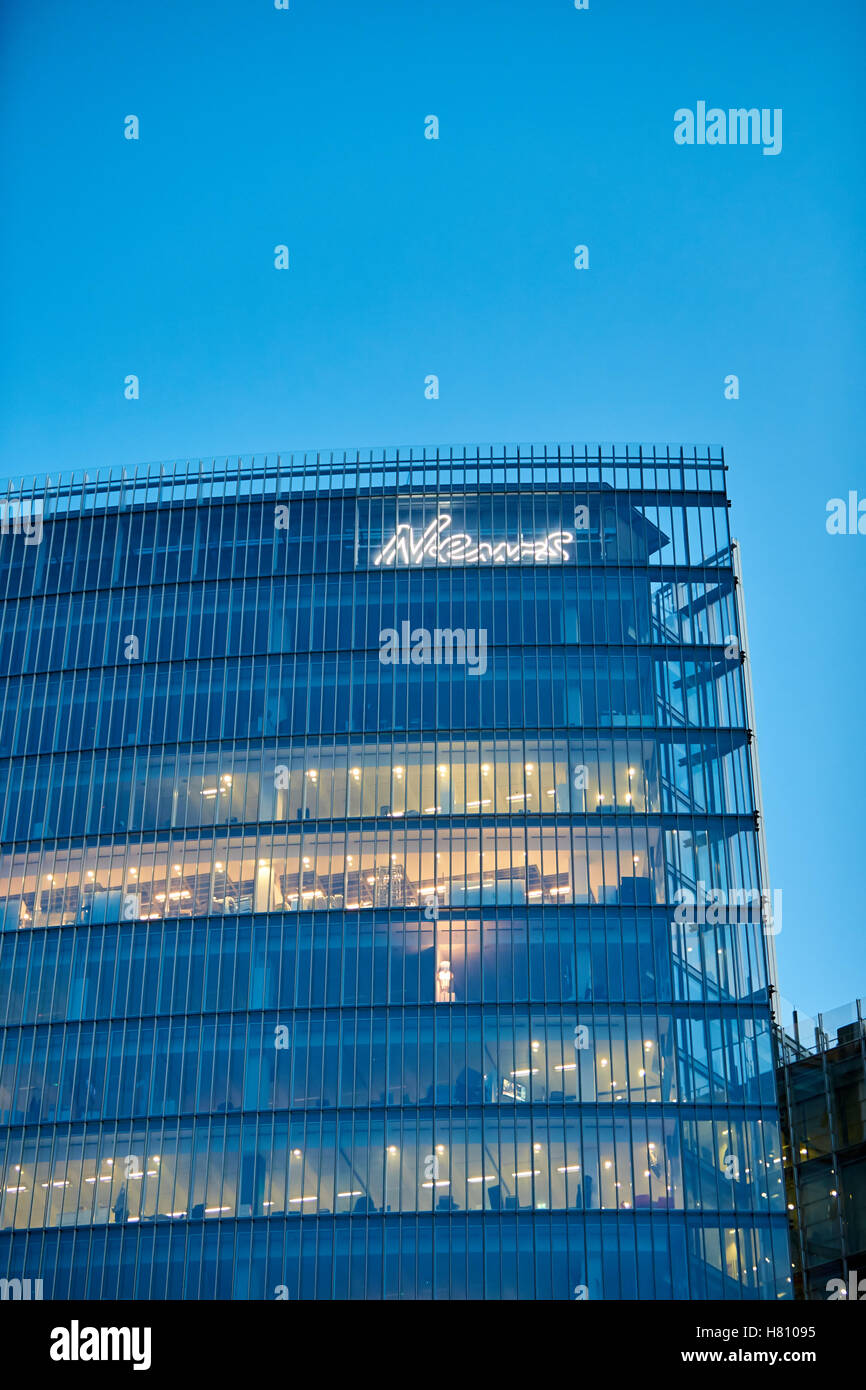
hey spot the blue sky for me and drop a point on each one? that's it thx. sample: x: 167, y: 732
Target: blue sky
x: 455, y: 257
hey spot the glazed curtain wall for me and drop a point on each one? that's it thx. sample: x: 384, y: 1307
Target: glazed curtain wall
x: 178, y: 787
x: 330, y: 534
x: 542, y: 1255
x: 361, y: 959
x: 342, y: 612
x: 408, y: 1160
x: 267, y: 697
x: 402, y: 1056
x: 387, y: 865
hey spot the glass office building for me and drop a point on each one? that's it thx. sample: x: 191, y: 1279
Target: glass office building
x: 382, y: 897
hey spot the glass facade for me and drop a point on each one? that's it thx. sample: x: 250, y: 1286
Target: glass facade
x: 382, y: 896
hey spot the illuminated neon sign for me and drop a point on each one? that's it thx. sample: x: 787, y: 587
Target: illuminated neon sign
x: 437, y: 543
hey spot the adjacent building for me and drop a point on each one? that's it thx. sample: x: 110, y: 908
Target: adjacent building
x: 383, y: 904
x: 822, y: 1095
